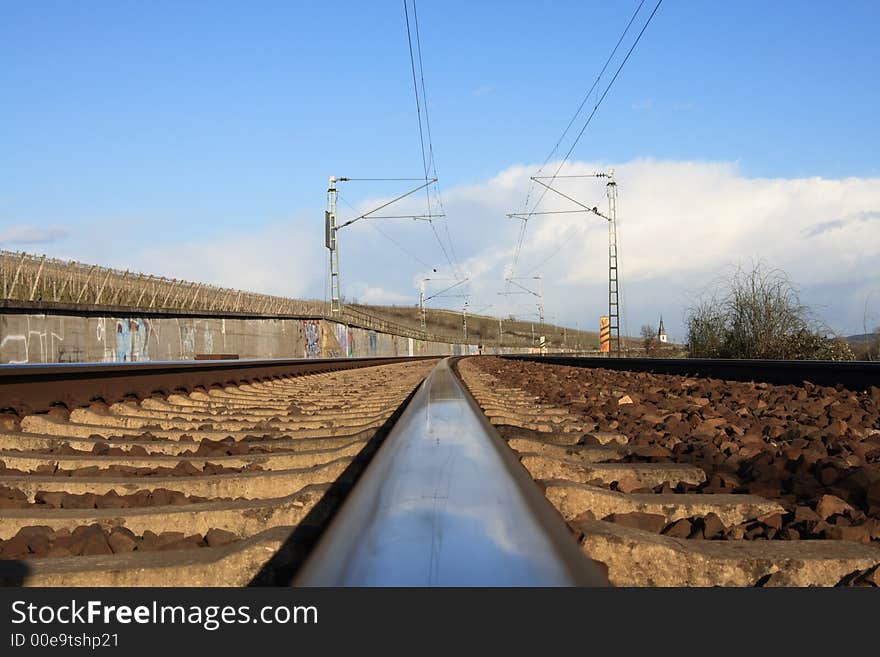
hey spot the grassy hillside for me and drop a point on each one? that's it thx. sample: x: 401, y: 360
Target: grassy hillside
x: 523, y: 333
x: 865, y: 346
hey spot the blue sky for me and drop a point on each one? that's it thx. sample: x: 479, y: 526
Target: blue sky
x: 129, y: 126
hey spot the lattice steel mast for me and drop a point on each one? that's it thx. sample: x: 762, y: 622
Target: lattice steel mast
x: 613, y: 292
x: 611, y: 218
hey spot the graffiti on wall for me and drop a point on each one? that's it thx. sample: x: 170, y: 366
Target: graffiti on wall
x: 140, y: 340
x: 15, y: 349
x: 123, y: 339
x: 109, y: 351
x: 345, y: 337
x: 209, y: 340
x: 188, y: 339
x: 132, y: 339
x: 41, y: 338
x: 342, y: 337
x: 311, y: 338
x: 42, y: 342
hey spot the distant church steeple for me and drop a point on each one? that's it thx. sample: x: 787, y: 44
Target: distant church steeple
x: 661, y: 332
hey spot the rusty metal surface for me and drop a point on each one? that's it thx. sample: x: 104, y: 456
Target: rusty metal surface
x: 36, y: 388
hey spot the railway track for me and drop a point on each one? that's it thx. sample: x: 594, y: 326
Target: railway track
x: 391, y: 472
x: 673, y: 480
x: 444, y: 503
x: 217, y: 483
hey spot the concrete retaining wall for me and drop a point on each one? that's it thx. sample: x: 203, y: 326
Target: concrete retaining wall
x: 58, y: 338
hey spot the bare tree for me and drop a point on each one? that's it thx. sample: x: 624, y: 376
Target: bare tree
x: 757, y: 313
x: 870, y: 350
x: 649, y: 339
x: 763, y: 309
x: 706, y: 328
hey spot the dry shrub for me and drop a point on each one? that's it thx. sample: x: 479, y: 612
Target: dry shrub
x: 758, y: 314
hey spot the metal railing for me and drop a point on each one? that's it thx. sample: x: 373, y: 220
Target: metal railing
x: 27, y: 277
x: 36, y: 279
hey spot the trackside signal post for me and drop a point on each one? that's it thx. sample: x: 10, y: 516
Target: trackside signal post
x: 332, y: 227
x: 333, y: 247
x: 422, y: 320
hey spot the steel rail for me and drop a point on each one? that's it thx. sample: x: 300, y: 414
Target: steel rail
x: 444, y: 502
x: 37, y: 388
x: 854, y: 375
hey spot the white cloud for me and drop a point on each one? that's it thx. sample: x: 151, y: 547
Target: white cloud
x: 25, y: 234
x: 272, y: 259
x: 681, y: 225
x: 823, y: 227
x: 363, y: 293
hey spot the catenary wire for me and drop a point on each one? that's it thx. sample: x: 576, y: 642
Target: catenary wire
x: 429, y: 163
x: 595, y: 107
x: 388, y: 237
x: 571, y: 122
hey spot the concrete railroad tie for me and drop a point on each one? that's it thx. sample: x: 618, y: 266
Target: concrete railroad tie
x: 577, y: 477
x: 249, y: 469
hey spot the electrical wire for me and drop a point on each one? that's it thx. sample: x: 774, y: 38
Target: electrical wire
x: 431, y: 156
x: 604, y: 93
x: 387, y: 236
x: 412, y: 64
x: 399, y: 246
x: 562, y: 244
x: 589, y: 119
x: 366, y: 215
x: 573, y: 119
x: 440, y: 294
x: 442, y: 248
x: 428, y: 162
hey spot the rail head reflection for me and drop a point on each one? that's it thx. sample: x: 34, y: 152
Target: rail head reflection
x: 443, y: 503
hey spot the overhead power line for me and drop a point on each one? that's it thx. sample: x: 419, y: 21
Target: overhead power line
x: 386, y: 204
x: 402, y: 248
x: 331, y: 225
x: 432, y: 162
x: 588, y: 120
x: 571, y: 123
x: 412, y: 63
x: 607, y: 89
x: 588, y: 94
x: 565, y: 241
x: 429, y: 164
